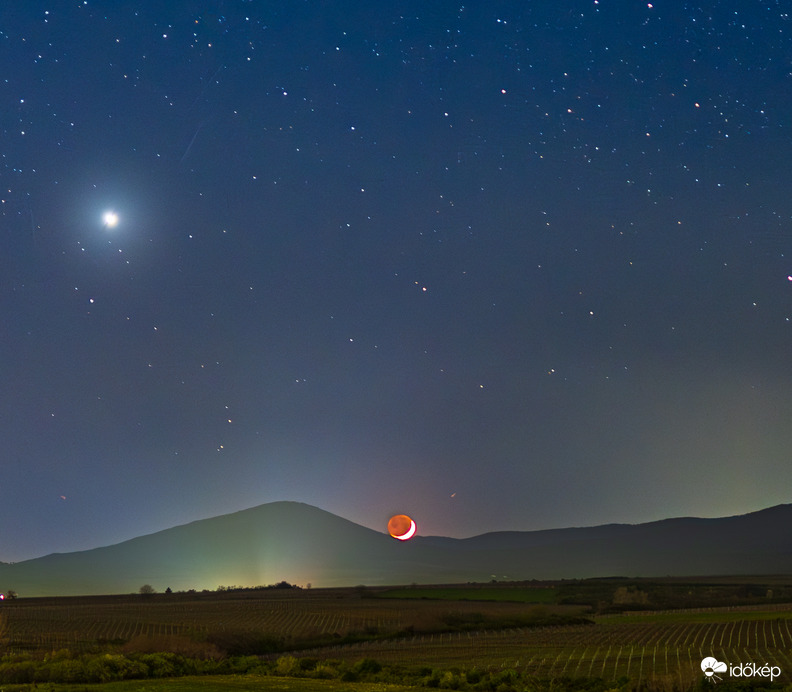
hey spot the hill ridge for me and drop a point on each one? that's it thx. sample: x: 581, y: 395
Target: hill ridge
x: 301, y: 543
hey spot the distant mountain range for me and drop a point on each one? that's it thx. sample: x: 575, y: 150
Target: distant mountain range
x: 302, y: 544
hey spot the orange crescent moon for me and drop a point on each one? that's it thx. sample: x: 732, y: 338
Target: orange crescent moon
x: 401, y: 527
x: 410, y: 532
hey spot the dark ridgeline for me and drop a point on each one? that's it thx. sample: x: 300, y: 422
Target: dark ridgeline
x: 302, y: 544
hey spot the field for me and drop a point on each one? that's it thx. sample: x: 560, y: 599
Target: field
x: 514, y: 595
x: 291, y: 617
x: 531, y: 632
x: 217, y: 683
x: 640, y: 648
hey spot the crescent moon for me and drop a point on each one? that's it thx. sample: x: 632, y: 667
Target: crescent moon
x: 409, y: 533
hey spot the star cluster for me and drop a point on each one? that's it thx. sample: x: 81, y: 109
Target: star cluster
x: 511, y: 265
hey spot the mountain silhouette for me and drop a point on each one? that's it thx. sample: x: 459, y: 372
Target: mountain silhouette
x: 303, y: 544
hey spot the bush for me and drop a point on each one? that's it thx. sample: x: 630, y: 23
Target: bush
x: 506, y: 680
x: 287, y: 666
x: 20, y: 672
x: 367, y: 666
x: 473, y: 676
x: 243, y: 664
x: 106, y: 668
x: 64, y: 670
x: 450, y: 680
x: 432, y: 680
x: 162, y: 664
x: 324, y: 672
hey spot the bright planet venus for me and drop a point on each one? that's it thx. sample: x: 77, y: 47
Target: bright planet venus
x: 401, y: 527
x: 110, y: 219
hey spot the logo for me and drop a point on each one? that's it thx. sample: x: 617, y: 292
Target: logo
x: 712, y: 666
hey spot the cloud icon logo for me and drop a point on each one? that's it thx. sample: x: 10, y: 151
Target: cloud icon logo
x: 711, y: 665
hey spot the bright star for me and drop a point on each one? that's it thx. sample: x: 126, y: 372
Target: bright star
x: 110, y: 219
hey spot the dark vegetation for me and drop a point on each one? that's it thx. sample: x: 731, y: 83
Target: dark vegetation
x: 492, y: 637
x: 66, y: 668
x: 615, y: 594
x: 620, y: 595
x: 62, y: 667
x: 483, y: 592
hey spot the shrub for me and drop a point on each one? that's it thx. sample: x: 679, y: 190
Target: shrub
x: 243, y: 664
x: 450, y: 680
x: 60, y: 655
x: 162, y: 664
x: 473, y: 676
x: 505, y: 681
x: 63, y: 670
x: 431, y: 680
x: 287, y: 666
x: 324, y: 672
x: 106, y: 668
x: 19, y: 672
x: 367, y: 666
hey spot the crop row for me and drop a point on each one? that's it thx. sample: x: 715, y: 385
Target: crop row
x: 639, y: 649
x: 76, y: 626
x: 650, y: 651
x: 709, y: 635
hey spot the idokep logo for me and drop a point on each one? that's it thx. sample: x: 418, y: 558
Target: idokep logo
x: 712, y: 666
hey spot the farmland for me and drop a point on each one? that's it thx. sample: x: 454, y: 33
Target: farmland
x: 515, y: 595
x: 641, y: 650
x: 528, y: 630
x: 290, y: 616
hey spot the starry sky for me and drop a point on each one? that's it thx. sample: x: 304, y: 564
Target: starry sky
x: 498, y: 265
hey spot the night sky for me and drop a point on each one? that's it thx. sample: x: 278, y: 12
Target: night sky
x: 500, y: 265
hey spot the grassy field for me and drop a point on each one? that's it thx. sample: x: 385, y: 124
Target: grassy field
x: 519, y: 636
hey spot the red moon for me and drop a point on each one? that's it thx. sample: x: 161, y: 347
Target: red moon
x: 401, y: 527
